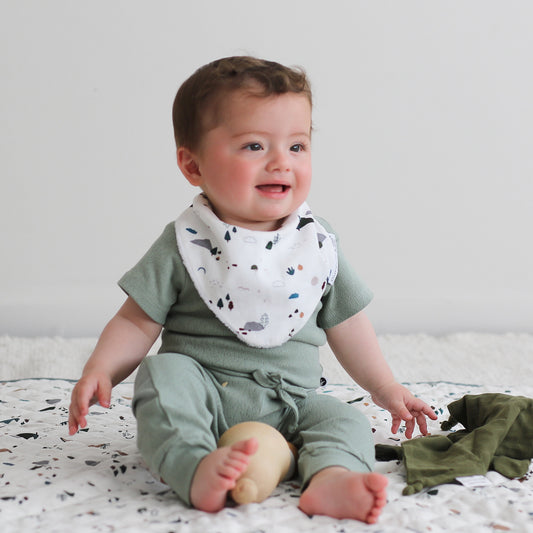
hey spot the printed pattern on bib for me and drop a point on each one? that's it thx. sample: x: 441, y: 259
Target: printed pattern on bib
x: 263, y: 286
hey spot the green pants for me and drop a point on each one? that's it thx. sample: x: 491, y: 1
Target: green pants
x: 182, y: 409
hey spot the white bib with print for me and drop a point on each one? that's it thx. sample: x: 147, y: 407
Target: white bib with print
x: 262, y: 285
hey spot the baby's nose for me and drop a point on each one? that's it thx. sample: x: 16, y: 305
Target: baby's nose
x: 279, y: 162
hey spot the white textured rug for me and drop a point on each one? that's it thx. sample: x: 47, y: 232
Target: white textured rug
x: 477, y: 358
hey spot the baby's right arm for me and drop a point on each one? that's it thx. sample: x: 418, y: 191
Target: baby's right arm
x: 124, y: 343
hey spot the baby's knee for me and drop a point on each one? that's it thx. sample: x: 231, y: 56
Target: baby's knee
x: 333, y: 413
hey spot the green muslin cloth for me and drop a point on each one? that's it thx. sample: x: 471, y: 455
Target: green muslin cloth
x: 498, y: 435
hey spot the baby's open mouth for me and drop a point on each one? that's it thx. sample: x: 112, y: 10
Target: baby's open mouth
x: 273, y: 187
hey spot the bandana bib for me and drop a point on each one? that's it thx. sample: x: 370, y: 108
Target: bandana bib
x: 262, y: 285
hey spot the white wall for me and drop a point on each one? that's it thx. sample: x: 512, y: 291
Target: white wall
x: 422, y: 150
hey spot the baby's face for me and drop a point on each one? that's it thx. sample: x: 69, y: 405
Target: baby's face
x: 255, y: 165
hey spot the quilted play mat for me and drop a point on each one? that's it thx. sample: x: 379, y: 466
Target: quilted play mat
x: 97, y: 481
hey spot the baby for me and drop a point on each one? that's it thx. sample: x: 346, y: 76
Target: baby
x: 245, y: 286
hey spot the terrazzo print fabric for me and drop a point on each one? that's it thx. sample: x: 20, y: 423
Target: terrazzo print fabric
x: 96, y: 480
x: 262, y: 285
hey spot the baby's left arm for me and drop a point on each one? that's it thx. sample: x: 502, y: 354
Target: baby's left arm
x: 356, y: 347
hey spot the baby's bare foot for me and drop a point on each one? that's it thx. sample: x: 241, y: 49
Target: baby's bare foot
x: 218, y: 472
x: 339, y: 493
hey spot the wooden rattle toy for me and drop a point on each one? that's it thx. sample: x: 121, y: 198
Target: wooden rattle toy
x: 274, y: 461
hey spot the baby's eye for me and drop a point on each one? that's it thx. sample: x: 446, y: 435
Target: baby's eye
x: 253, y: 147
x: 298, y: 147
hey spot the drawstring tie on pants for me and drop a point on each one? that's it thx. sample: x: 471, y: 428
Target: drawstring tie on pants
x: 284, y: 392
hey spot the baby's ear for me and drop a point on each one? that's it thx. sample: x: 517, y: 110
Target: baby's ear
x: 189, y: 166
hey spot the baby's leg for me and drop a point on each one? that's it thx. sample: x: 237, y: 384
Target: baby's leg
x: 176, y: 431
x: 339, y: 493
x: 336, y: 460
x: 218, y: 473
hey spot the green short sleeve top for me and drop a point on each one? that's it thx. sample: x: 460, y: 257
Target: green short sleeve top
x: 160, y: 284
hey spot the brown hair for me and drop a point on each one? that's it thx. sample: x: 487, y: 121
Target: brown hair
x: 197, y: 102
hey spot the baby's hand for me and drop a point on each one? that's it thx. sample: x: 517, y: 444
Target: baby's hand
x: 90, y: 389
x: 402, y: 405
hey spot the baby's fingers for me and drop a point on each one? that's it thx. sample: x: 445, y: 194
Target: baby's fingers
x: 91, y: 392
x: 422, y: 408
x: 422, y: 423
x: 75, y: 420
x: 422, y: 420
x: 79, y: 408
x: 85, y: 393
x: 428, y: 411
x: 410, y: 428
x: 104, y: 393
x: 396, y: 423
